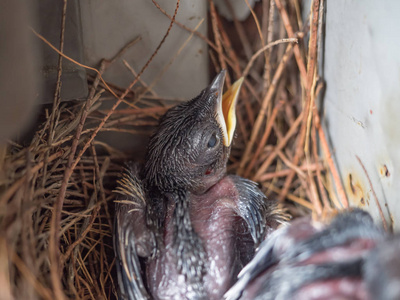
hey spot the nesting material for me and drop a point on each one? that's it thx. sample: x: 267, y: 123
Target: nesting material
x: 57, y: 189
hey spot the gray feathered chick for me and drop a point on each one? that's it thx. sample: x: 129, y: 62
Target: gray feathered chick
x: 184, y: 229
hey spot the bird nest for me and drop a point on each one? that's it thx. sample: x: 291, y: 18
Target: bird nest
x: 57, y: 190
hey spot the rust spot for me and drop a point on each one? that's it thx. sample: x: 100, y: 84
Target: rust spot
x: 391, y: 221
x: 353, y: 190
x: 387, y: 173
x: 356, y: 195
x: 384, y: 171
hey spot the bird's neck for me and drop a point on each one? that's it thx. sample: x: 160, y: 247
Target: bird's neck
x: 158, y: 178
x: 190, y: 253
x: 164, y: 191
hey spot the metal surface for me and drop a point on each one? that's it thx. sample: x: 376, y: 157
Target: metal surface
x: 108, y: 26
x: 74, y: 82
x: 361, y: 104
x: 19, y: 83
x: 178, y: 71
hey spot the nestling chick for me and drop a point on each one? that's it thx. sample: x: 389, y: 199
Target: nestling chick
x: 339, y: 261
x: 183, y: 228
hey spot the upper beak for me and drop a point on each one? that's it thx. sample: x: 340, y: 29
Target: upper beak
x: 218, y: 83
x: 226, y: 106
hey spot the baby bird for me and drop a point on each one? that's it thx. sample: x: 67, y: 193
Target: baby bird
x: 183, y: 228
x: 350, y: 258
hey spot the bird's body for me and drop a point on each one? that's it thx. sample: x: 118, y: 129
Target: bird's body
x: 310, y: 261
x: 225, y: 237
x: 183, y: 228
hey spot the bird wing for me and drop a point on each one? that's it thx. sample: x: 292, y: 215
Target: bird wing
x: 264, y: 258
x: 253, y: 206
x: 128, y: 264
x: 131, y: 237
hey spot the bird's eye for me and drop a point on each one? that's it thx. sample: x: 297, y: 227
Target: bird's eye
x: 212, y: 141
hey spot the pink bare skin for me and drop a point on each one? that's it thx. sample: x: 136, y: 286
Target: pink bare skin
x: 227, y: 242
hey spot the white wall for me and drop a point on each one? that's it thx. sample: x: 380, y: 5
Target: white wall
x: 362, y: 100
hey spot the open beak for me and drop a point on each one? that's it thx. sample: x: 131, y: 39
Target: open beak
x: 229, y: 100
x: 226, y: 106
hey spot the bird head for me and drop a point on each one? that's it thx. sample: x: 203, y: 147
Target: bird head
x: 191, y: 146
